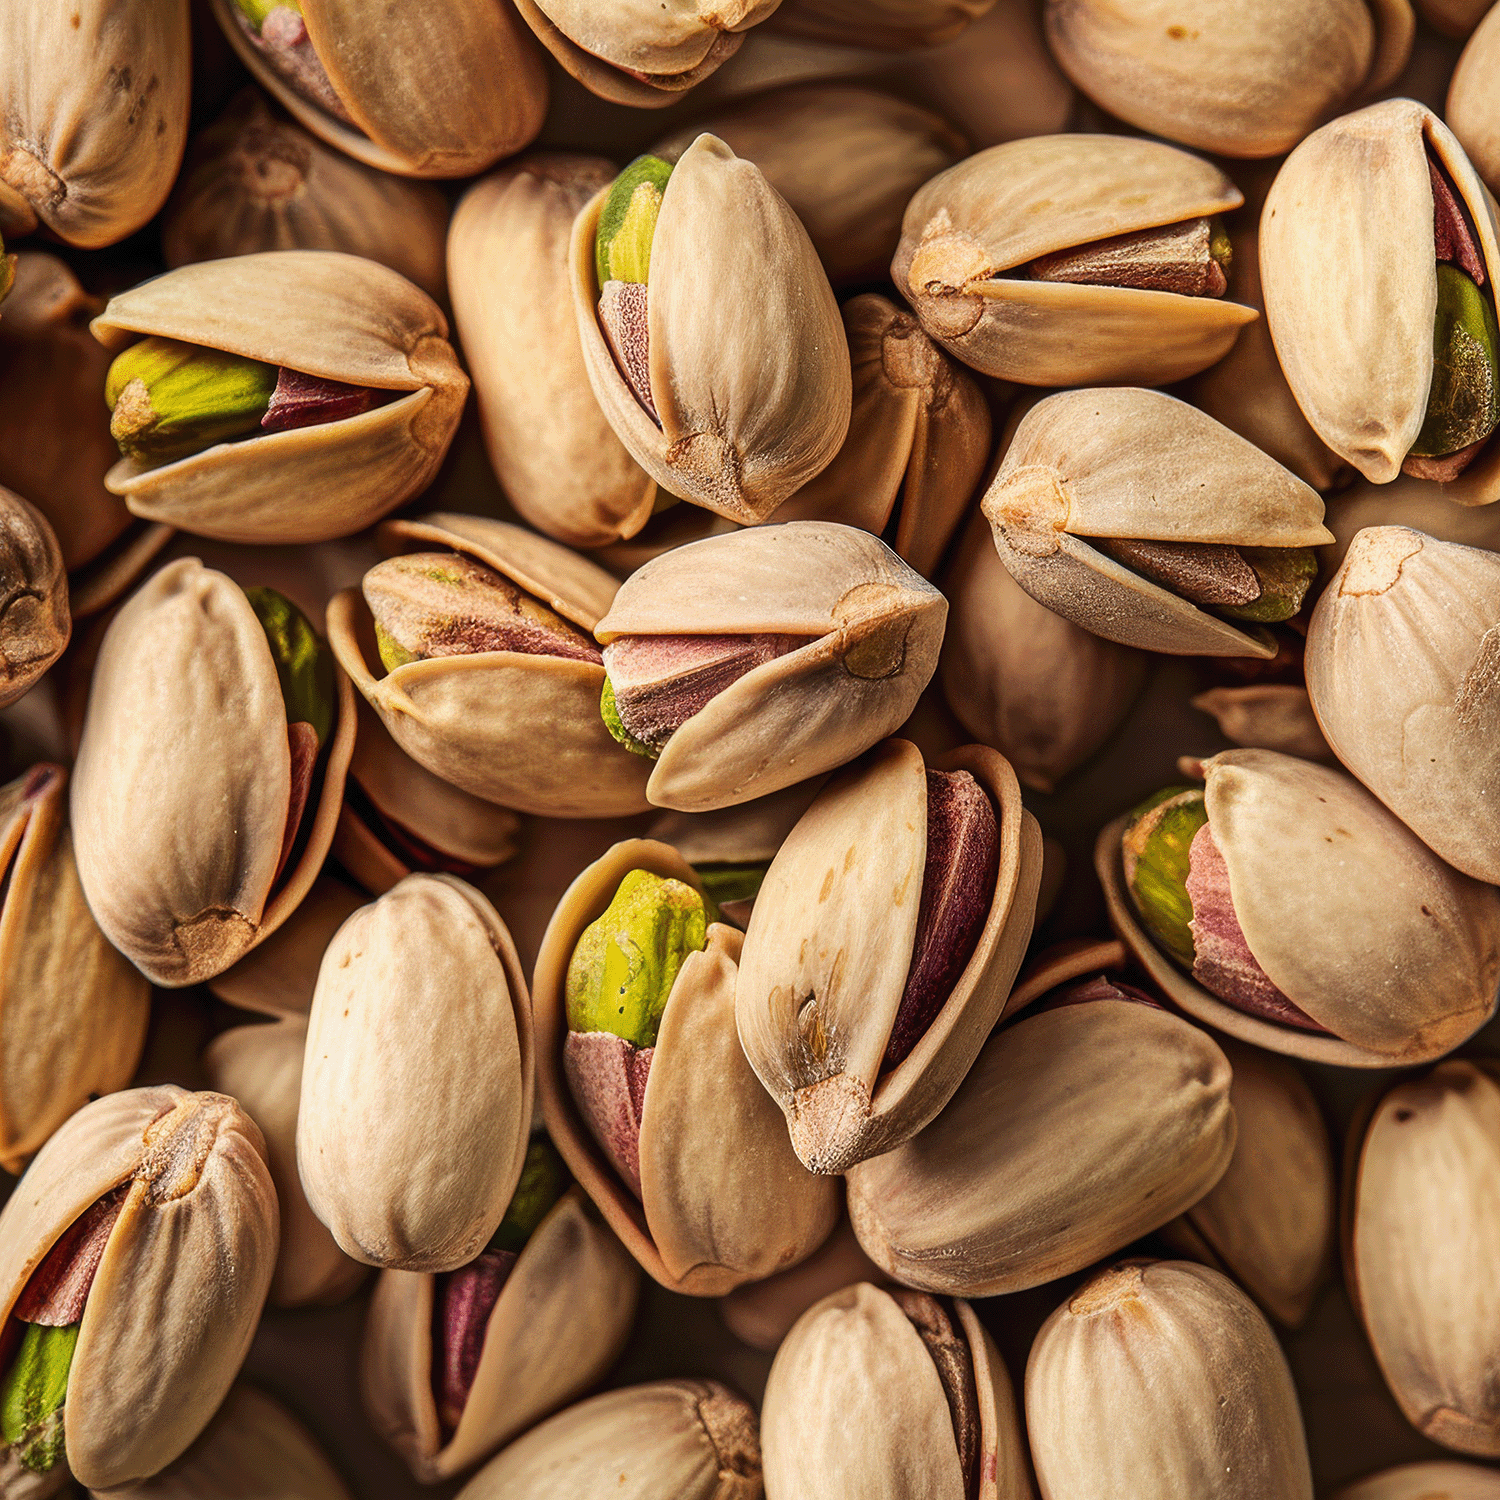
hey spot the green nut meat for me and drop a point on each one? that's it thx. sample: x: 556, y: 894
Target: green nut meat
x: 725, y: 882
x: 1284, y: 574
x: 304, y: 664
x: 609, y: 711
x: 1156, y: 850
x: 33, y: 1395
x: 1464, y: 406
x: 627, y: 222
x: 544, y: 1179
x: 256, y: 11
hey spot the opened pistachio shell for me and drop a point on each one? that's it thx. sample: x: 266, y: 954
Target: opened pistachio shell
x: 749, y: 368
x: 1470, y: 111
x: 95, y: 114
x: 1267, y: 716
x: 1441, y: 1479
x: 179, y: 807
x: 417, y: 1087
x: 36, y: 623
x: 325, y: 314
x: 557, y: 458
x: 969, y: 233
x: 1417, y: 503
x: 561, y: 1320
x: 1168, y: 1374
x: 1394, y: 953
x: 184, y: 1273
x: 898, y: 24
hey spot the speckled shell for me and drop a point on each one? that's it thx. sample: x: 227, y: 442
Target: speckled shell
x: 35, y: 622
x: 1439, y: 1479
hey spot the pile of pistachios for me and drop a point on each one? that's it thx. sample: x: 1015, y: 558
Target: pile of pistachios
x: 749, y: 749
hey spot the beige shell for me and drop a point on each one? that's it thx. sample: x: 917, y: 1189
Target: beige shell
x: 750, y: 833
x: 1406, y: 501
x: 1166, y: 1372
x: 255, y: 181
x: 326, y: 314
x: 830, y: 943
x: 179, y: 1290
x: 95, y: 117
x: 561, y: 1320
x: 1143, y: 465
x: 998, y: 210
x: 1402, y: 671
x: 982, y: 1203
x: 1353, y: 331
x: 879, y: 626
x: 34, y: 619
x: 435, y: 91
x: 521, y: 730
x: 854, y: 1364
x: 723, y: 1199
x: 897, y: 24
x: 1425, y: 1203
x: 1267, y: 716
x: 749, y: 367
x: 417, y: 1085
x: 179, y: 807
x: 1376, y: 939
x: 1470, y: 110
x: 556, y: 456
x: 1440, y: 1479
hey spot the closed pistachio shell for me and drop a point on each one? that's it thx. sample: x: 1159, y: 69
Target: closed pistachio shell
x: 898, y: 24
x: 1470, y: 110
x: 1165, y: 1372
x: 1440, y: 1479
x: 1267, y: 716
x: 417, y: 1086
x: 36, y: 623
x: 1407, y: 501
x: 325, y: 314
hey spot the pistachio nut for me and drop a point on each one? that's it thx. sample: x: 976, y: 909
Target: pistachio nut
x: 883, y: 945
x: 1440, y: 1479
x: 420, y: 92
x: 1281, y: 903
x: 1168, y: 1373
x: 645, y: 1088
x: 918, y: 1378
x: 726, y: 373
x: 417, y: 1085
x: 557, y: 458
x: 1135, y: 515
x: 200, y: 829
x: 136, y: 1257
x: 670, y: 1440
x: 918, y: 443
x: 497, y: 686
x: 1074, y: 260
x: 1389, y: 346
x: 1401, y: 669
x: 1267, y: 716
x: 745, y: 663
x: 95, y: 117
x: 895, y: 24
x: 1416, y: 503
x: 289, y: 396
x: 528, y: 1325
x: 1470, y: 111
x: 35, y: 621
x: 255, y: 181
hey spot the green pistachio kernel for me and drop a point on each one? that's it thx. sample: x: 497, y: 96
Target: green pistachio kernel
x: 544, y: 1179
x: 1285, y: 574
x: 1463, y: 405
x: 627, y: 222
x: 33, y: 1393
x: 303, y: 660
x: 1220, y: 248
x: 256, y: 11
x: 726, y: 881
x: 610, y: 713
x: 1155, y: 850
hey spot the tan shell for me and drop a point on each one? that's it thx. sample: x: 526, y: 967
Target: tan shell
x: 435, y: 91
x: 1267, y: 716
x: 326, y: 314
x: 417, y: 1087
x: 1142, y: 465
x: 1353, y: 331
x: 1167, y: 1372
x: 1470, y: 110
x: 723, y: 1199
x: 879, y: 627
x: 1441, y: 1479
x: 1376, y: 938
x: 561, y: 1320
x: 179, y: 808
x: 749, y: 365
x: 34, y: 620
x: 854, y: 1364
x: 830, y: 942
x: 255, y: 181
x: 998, y: 210
x: 521, y: 730
x: 897, y: 24
x: 1418, y: 503
x: 750, y: 833
x: 556, y: 456
x: 96, y: 114
x: 981, y: 1203
x: 179, y: 1291
x: 1401, y: 668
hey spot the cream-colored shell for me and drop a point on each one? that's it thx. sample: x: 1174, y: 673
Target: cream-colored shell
x: 748, y: 834
x: 183, y: 1277
x: 1267, y: 716
x: 556, y: 456
x: 561, y: 1320
x: 854, y: 1364
x: 181, y: 788
x: 1138, y: 464
x: 34, y: 620
x: 897, y: 24
x: 1439, y: 1479
x: 749, y: 367
x: 417, y: 1084
x: 1165, y: 1372
x: 723, y: 1198
x: 1001, y: 208
x: 879, y: 626
x: 1470, y: 110
x: 434, y: 91
x: 520, y: 730
x: 1417, y: 503
x: 982, y: 1202
x: 325, y: 314
x: 1397, y: 954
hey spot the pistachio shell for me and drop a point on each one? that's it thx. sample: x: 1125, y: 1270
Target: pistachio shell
x: 1455, y: 18
x: 35, y: 623
x: 750, y: 833
x: 1267, y: 716
x: 1442, y: 1479
x: 1470, y: 110
x: 1417, y: 503
x: 897, y: 24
